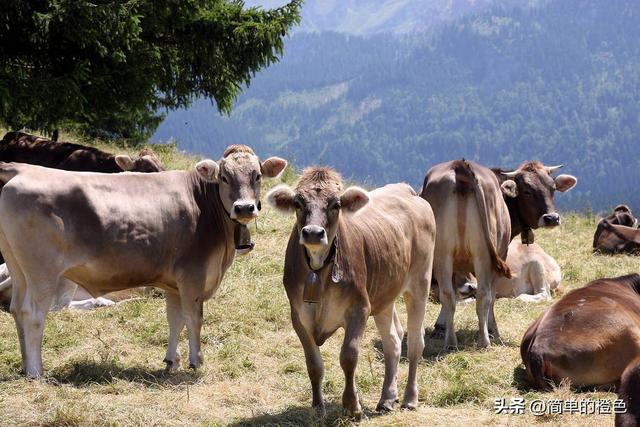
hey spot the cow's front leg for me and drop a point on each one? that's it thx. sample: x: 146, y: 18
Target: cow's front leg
x: 313, y: 359
x: 416, y: 302
x: 192, y: 310
x: 354, y: 329
x: 391, y: 345
x: 176, y: 323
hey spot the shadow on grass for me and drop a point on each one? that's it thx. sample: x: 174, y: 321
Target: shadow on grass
x: 305, y: 416
x: 86, y: 372
x: 434, y: 347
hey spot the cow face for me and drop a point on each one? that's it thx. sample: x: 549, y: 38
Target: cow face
x: 318, y: 201
x: 622, y: 215
x: 146, y: 162
x: 238, y: 175
x: 533, y: 187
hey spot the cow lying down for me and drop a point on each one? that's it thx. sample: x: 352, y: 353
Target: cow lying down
x: 617, y: 233
x: 535, y: 276
x: 81, y: 300
x: 591, y: 337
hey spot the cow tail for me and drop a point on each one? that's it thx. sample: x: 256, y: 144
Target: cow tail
x: 533, y: 360
x: 497, y: 263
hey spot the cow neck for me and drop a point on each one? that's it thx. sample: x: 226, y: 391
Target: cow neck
x: 210, y: 204
x: 514, y: 217
x: 329, y: 259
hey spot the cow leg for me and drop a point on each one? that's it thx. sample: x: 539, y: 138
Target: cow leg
x: 354, y: 330
x: 176, y: 324
x: 313, y: 359
x: 444, y: 275
x: 392, y: 346
x: 416, y: 302
x: 192, y: 311
x: 485, y: 295
x: 30, y: 314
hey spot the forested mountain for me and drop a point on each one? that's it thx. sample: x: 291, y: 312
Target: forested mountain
x: 559, y: 82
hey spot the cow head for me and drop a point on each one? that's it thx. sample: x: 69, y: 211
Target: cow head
x: 622, y: 215
x: 147, y: 161
x: 317, y: 201
x: 532, y: 187
x: 238, y: 175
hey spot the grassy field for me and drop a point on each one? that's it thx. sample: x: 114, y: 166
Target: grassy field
x: 105, y: 367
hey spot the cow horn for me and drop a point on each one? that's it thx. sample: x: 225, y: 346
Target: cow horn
x: 552, y: 169
x: 510, y: 174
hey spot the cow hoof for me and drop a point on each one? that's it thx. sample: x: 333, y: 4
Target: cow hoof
x: 387, y: 405
x: 321, y: 412
x: 354, y: 415
x: 438, y: 332
x: 410, y: 406
x: 171, y: 365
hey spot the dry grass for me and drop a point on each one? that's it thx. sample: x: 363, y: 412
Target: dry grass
x: 105, y: 367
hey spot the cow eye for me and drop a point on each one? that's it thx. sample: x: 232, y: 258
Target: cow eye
x: 224, y: 179
x: 258, y: 178
x: 297, y: 203
x: 336, y: 206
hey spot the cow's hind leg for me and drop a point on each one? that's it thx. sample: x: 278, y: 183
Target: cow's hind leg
x: 416, y: 302
x: 29, y: 310
x: 485, y: 296
x: 392, y: 346
x: 444, y: 275
x: 354, y: 330
x: 176, y: 324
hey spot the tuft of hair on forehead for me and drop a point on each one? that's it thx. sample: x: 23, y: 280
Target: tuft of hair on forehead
x: 531, y: 166
x: 147, y: 151
x: 237, y: 148
x: 320, y: 177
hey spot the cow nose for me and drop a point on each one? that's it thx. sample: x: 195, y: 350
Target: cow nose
x: 244, y: 209
x: 551, y: 219
x: 313, y: 234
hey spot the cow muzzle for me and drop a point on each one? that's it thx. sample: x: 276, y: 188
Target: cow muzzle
x: 313, y: 235
x: 549, y: 220
x: 244, y: 211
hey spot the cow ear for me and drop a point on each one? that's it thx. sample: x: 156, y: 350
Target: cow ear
x: 565, y: 182
x: 353, y: 199
x: 125, y: 162
x: 281, y: 197
x: 208, y: 169
x: 273, y: 167
x: 510, y: 188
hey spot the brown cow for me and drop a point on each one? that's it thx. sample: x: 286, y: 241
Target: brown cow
x: 360, y: 262
x: 629, y: 392
x: 591, y: 337
x: 616, y: 233
x: 478, y: 211
x: 109, y: 232
x: 25, y: 148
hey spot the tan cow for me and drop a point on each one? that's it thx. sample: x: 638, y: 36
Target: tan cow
x: 535, y: 276
x: 591, y: 337
x: 108, y: 232
x: 478, y: 211
x: 361, y: 251
x: 617, y: 233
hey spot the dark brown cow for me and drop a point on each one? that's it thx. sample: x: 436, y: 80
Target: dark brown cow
x: 616, y: 233
x: 478, y: 211
x: 24, y: 148
x: 360, y: 262
x: 591, y: 337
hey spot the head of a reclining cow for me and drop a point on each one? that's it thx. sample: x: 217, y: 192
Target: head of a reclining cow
x: 531, y: 188
x: 238, y: 175
x: 622, y: 215
x: 146, y: 161
x: 318, y: 201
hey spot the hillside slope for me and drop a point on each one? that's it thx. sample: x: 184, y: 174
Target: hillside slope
x: 559, y: 83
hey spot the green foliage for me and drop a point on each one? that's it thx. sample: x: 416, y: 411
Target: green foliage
x: 559, y: 82
x: 108, y: 67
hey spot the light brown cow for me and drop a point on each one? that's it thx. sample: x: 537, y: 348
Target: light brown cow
x: 591, y: 337
x: 535, y: 276
x: 362, y: 250
x: 476, y: 222
x: 108, y: 232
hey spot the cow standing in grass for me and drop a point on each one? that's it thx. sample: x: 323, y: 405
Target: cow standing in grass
x: 108, y: 232
x: 362, y: 250
x: 478, y: 211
